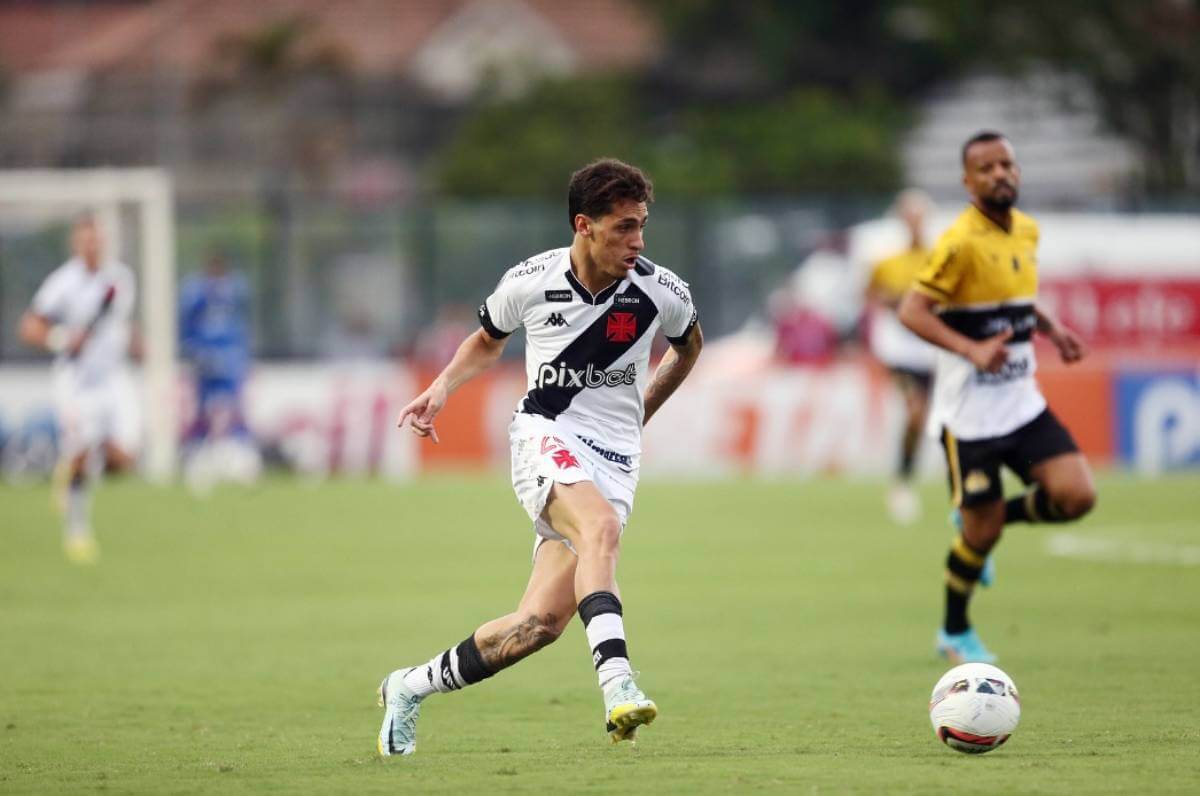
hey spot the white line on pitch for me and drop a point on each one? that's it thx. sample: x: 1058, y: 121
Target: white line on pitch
x: 1091, y: 548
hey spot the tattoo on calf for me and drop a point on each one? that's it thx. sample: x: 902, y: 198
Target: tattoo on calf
x: 525, y: 638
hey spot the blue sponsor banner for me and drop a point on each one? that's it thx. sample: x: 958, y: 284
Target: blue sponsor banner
x: 1158, y: 419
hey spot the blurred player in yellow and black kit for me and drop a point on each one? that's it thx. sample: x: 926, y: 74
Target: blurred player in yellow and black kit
x: 909, y: 358
x: 976, y: 300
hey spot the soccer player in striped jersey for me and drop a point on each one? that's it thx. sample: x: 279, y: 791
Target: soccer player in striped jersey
x: 976, y: 299
x: 909, y: 358
x: 83, y: 314
x: 590, y: 312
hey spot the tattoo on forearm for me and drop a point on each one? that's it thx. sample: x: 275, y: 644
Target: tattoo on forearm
x: 525, y: 638
x: 667, y: 377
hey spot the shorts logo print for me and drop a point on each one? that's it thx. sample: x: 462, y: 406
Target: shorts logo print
x: 551, y: 443
x: 565, y: 459
x: 977, y: 481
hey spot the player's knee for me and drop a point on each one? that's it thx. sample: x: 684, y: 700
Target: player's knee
x: 1076, y: 502
x: 602, y: 532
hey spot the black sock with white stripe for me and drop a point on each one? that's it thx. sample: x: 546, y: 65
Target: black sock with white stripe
x: 452, y: 670
x: 1033, y: 506
x: 602, y: 619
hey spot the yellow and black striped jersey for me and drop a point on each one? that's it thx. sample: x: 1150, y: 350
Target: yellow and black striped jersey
x: 893, y: 276
x: 984, y: 279
x: 891, y: 342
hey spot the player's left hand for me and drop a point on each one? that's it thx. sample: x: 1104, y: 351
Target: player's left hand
x: 1070, y: 346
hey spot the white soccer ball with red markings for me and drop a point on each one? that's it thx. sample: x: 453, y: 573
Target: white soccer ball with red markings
x: 974, y: 708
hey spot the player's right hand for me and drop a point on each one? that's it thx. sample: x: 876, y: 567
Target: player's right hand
x: 76, y: 343
x: 421, y: 411
x: 990, y: 354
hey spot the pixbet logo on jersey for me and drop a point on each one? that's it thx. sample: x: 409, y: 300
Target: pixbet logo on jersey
x: 591, y: 376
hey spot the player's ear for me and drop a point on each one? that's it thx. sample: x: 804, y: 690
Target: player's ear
x: 583, y: 225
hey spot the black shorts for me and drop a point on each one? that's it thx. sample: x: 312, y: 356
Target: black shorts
x: 910, y: 379
x: 974, y: 465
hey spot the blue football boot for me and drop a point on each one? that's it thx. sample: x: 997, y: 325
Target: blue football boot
x: 963, y: 647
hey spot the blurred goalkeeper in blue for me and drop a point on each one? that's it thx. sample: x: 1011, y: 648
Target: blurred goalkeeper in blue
x: 215, y: 340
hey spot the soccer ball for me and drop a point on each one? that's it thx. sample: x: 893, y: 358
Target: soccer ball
x: 974, y: 708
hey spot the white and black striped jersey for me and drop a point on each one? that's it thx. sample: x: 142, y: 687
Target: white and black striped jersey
x: 75, y: 296
x: 587, y: 356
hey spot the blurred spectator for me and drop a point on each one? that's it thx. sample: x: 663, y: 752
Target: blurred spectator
x: 215, y: 341
x: 803, y: 335
x: 354, y: 338
x: 809, y: 313
x: 434, y: 348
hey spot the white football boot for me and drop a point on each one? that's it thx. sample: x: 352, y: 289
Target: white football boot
x: 626, y: 709
x: 398, y: 735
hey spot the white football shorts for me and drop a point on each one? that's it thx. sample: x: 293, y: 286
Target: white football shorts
x: 544, y: 454
x: 88, y: 416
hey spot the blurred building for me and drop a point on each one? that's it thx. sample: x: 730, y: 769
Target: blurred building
x: 211, y: 87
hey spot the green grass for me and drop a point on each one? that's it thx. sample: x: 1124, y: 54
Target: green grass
x: 234, y: 644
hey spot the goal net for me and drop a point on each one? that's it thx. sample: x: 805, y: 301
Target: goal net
x: 135, y: 209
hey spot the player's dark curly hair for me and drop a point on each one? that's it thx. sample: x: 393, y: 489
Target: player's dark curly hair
x: 599, y: 185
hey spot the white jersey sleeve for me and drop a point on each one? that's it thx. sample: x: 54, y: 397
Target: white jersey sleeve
x: 51, y: 299
x: 503, y: 311
x: 500, y: 313
x: 674, y: 299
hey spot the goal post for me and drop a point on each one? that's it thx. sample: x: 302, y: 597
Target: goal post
x: 107, y: 193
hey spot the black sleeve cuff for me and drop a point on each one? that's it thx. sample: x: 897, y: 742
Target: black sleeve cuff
x: 687, y: 332
x: 485, y: 320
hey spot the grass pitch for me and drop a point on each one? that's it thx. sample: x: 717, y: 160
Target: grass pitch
x: 785, y: 629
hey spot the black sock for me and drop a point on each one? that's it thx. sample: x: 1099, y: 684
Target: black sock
x: 963, y: 566
x: 471, y: 666
x: 457, y: 667
x: 908, y: 455
x: 1033, y: 506
x: 604, y: 625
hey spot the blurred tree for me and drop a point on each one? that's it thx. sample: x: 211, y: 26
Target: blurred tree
x: 278, y: 69
x: 1141, y: 58
x: 808, y: 139
x: 763, y: 97
x: 792, y: 95
x: 771, y: 46
x: 527, y: 146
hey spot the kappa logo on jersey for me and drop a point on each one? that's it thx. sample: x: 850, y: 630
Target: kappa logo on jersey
x: 559, y: 295
x: 622, y: 327
x: 591, y: 376
x: 556, y: 319
x: 565, y: 459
